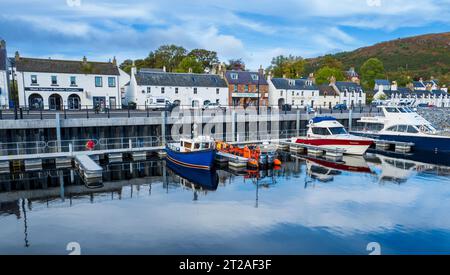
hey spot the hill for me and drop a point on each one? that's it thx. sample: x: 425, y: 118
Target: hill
x: 420, y: 56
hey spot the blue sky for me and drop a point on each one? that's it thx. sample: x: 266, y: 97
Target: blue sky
x: 255, y: 30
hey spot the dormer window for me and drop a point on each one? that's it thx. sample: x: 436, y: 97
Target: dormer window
x: 234, y: 76
x: 291, y: 82
x: 255, y: 77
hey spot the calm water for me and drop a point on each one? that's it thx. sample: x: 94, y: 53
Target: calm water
x: 306, y: 207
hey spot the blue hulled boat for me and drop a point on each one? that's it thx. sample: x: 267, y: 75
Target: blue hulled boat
x: 402, y: 124
x: 197, y: 153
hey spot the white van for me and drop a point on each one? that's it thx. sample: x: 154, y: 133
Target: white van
x: 158, y: 103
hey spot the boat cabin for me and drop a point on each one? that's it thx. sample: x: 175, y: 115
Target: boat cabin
x: 325, y: 126
x: 197, y: 144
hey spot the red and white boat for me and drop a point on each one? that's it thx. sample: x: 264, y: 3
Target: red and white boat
x: 328, y: 133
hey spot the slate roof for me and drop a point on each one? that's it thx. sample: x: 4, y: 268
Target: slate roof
x: 179, y: 79
x: 299, y: 84
x: 383, y: 82
x: 3, y: 59
x: 350, y: 86
x: 245, y: 78
x: 418, y: 84
x: 65, y: 66
x: 328, y: 90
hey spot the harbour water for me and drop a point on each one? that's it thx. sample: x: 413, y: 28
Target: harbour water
x: 307, y: 206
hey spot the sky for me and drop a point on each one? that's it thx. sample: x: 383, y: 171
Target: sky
x: 254, y: 30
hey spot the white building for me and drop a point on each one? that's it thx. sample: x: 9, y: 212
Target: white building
x: 57, y: 84
x: 295, y: 92
x: 350, y: 93
x: 4, y: 77
x: 184, y: 89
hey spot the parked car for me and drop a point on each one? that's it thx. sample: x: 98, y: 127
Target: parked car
x: 340, y: 107
x: 212, y: 105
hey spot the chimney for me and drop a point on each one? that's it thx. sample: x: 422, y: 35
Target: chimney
x: 190, y: 70
x: 133, y: 69
x: 164, y: 68
x: 84, y: 60
x: 261, y: 70
x: 114, y: 61
x: 284, y: 76
x: 17, y: 56
x: 270, y: 75
x: 332, y: 80
x: 394, y: 86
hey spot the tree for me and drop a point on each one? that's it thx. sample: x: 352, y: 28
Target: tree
x: 189, y: 62
x: 236, y: 65
x: 331, y: 62
x: 169, y: 56
x: 324, y: 75
x: 290, y: 66
x: 205, y: 57
x: 372, y: 69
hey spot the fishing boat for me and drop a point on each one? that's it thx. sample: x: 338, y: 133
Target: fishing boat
x: 196, y: 153
x: 402, y: 124
x: 327, y: 132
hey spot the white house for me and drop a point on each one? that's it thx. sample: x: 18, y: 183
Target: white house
x: 57, y: 84
x: 184, y: 89
x: 350, y: 93
x: 295, y: 92
x: 4, y: 77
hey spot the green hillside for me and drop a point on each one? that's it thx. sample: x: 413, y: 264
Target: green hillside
x: 420, y: 56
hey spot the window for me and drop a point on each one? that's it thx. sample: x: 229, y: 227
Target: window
x: 391, y: 110
x: 246, y: 88
x: 293, y: 93
x: 312, y: 93
x: 33, y: 79
x: 54, y: 80
x: 402, y: 128
x: 73, y: 81
x: 337, y: 131
x: 218, y: 101
x: 163, y: 90
x: 111, y: 82
x: 321, y: 131
x: 235, y: 88
x: 412, y: 129
x: 195, y: 91
x: 98, y: 81
x: 217, y: 91
x: 302, y: 93
x: 234, y: 76
x: 392, y: 128
x: 0, y: 90
x: 291, y: 82
x: 281, y: 93
x: 255, y: 77
x: 176, y: 90
x: 149, y: 90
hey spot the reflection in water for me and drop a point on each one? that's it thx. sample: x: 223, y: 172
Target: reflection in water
x: 233, y: 211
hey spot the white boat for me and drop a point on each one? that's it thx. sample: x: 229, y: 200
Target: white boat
x: 327, y: 132
x: 402, y: 124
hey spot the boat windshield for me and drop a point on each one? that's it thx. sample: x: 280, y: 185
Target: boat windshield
x: 402, y: 110
x: 337, y: 130
x: 426, y: 129
x: 392, y: 110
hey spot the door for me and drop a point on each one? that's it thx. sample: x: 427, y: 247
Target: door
x: 112, y: 102
x: 99, y: 101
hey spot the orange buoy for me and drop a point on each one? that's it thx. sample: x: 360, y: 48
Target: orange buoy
x: 277, y: 162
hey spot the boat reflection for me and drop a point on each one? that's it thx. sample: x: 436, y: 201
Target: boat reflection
x: 325, y: 170
x: 195, y: 179
x: 399, y: 170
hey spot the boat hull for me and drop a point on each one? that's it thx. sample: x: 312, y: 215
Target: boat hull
x: 203, y: 160
x: 421, y: 143
x: 350, y: 147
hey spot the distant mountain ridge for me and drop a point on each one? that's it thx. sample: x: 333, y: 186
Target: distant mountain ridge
x: 419, y: 56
